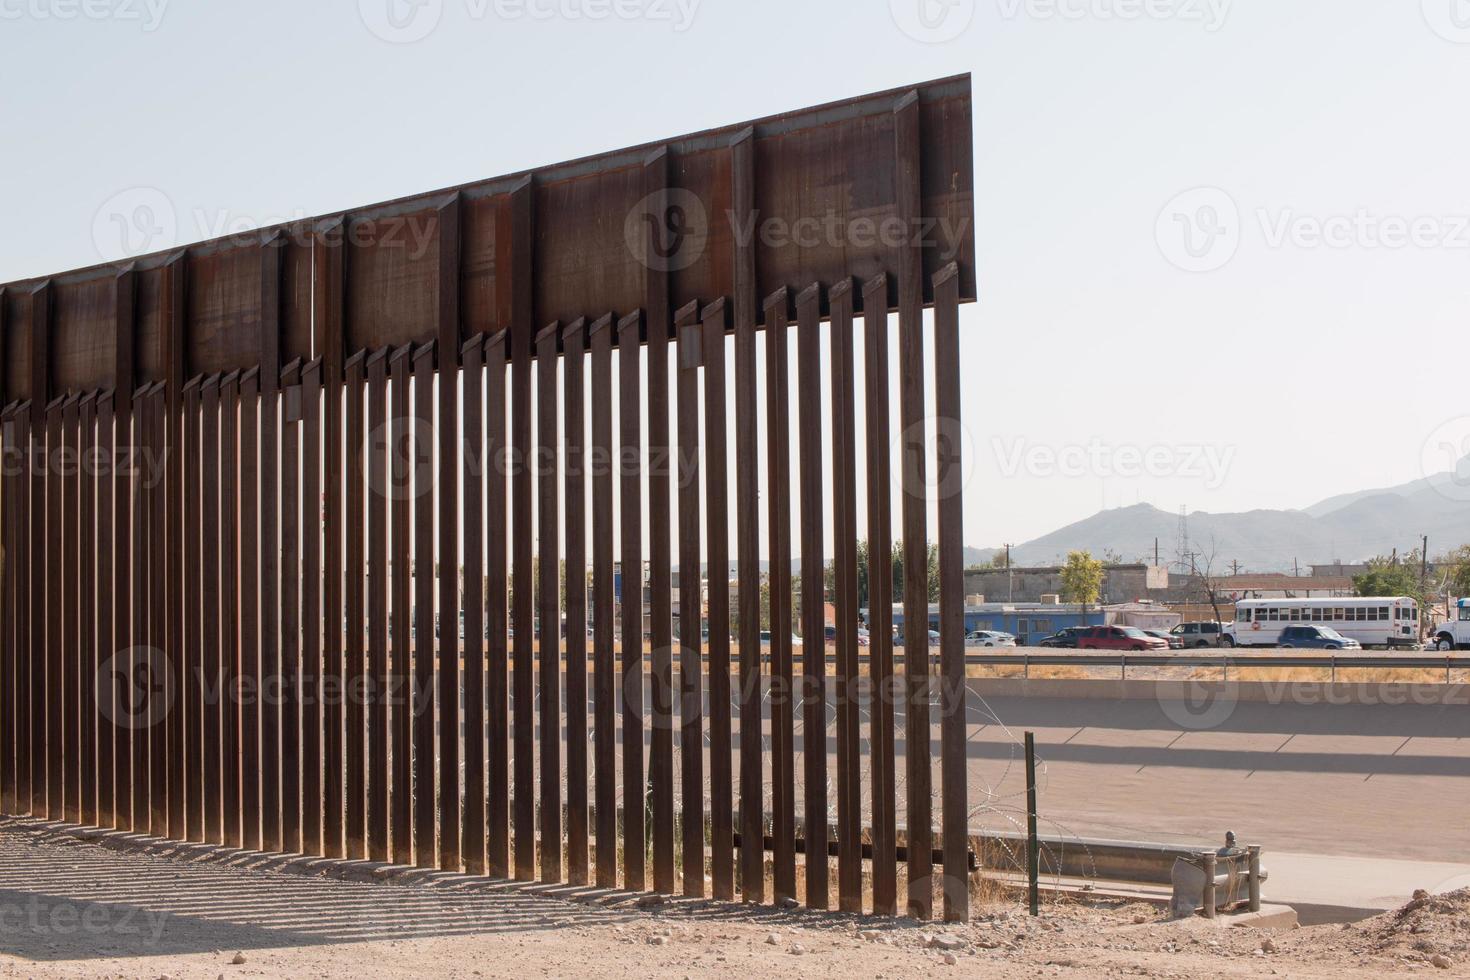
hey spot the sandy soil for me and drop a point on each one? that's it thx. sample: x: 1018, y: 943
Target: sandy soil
x: 71, y: 908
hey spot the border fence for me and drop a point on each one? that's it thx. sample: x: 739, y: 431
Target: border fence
x: 255, y: 486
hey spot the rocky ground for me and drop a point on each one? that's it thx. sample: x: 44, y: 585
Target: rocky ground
x: 73, y: 908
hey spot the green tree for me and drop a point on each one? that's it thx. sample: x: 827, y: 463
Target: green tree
x: 1455, y: 569
x: 1082, y: 578
x: 1389, y: 577
x: 933, y: 572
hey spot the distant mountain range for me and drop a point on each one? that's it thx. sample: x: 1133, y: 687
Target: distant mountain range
x: 1350, y: 527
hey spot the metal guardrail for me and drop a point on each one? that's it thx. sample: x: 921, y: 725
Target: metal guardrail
x: 1223, y: 662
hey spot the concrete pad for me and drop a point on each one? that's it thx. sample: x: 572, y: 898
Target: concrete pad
x: 1335, y: 888
x: 1270, y: 917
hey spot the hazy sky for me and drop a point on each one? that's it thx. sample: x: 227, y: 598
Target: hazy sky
x: 1285, y: 330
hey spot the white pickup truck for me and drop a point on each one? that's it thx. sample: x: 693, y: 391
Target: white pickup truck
x: 1453, y: 634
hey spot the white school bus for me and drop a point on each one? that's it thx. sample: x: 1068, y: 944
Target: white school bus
x: 1390, y: 621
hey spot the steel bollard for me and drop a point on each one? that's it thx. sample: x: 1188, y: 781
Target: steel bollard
x: 1254, y: 882
x: 1209, y: 896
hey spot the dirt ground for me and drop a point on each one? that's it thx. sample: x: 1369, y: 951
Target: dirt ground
x: 72, y: 908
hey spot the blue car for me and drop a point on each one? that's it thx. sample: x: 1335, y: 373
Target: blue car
x: 1316, y: 638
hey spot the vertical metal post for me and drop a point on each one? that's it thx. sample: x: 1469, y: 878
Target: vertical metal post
x: 1209, y: 895
x: 1033, y: 855
x: 1254, y: 882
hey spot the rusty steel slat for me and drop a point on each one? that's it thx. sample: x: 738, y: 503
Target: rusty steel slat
x: 313, y: 691
x: 104, y: 706
x: 289, y: 591
x: 212, y: 759
x: 497, y: 831
x: 778, y: 529
x: 9, y: 742
x: 747, y: 524
x: 548, y: 600
x: 472, y: 361
x: 447, y: 430
x: 161, y: 564
x: 55, y: 713
x: 813, y: 627
x: 691, y: 613
x: 573, y: 348
x: 604, y: 610
x: 9, y: 619
x: 844, y: 533
x: 523, y: 608
x: 630, y: 409
x: 880, y: 596
x: 114, y: 507
x: 71, y: 637
x: 355, y: 688
x: 142, y: 589
x: 88, y: 544
x: 915, y: 543
x: 378, y: 734
x: 715, y: 320
x: 949, y: 481
x: 271, y: 290
x: 191, y: 643
x: 26, y: 588
x: 39, y: 578
x: 331, y: 287
x: 400, y: 364
x: 657, y: 323
x: 231, y: 516
x: 425, y: 801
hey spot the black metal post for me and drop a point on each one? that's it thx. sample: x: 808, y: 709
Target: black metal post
x: 1033, y: 855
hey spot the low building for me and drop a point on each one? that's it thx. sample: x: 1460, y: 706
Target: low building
x: 1121, y: 583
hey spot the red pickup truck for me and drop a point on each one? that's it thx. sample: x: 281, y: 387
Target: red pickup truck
x: 1120, y: 638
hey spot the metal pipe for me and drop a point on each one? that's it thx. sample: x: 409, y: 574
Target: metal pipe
x: 1208, y: 859
x: 1254, y: 880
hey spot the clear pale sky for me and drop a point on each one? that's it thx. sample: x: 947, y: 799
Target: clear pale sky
x: 1321, y: 355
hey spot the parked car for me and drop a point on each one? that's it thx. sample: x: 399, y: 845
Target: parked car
x: 1119, y: 638
x: 1198, y: 634
x: 1064, y: 639
x: 1175, y: 642
x: 1316, y: 638
x: 989, y: 638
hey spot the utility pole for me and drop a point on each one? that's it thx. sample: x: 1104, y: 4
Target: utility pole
x: 1010, y: 578
x: 1234, y: 566
x: 1296, y: 568
x: 1156, y: 552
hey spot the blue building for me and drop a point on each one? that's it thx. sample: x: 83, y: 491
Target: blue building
x: 1028, y: 622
